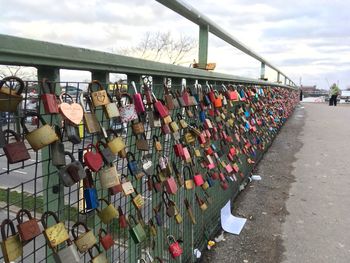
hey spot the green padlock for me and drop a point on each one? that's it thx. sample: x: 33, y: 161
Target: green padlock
x: 137, y: 231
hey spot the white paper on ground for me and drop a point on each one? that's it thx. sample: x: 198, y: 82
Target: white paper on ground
x: 230, y: 223
x: 256, y: 177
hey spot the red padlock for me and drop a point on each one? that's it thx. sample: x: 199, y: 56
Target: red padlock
x: 138, y: 102
x: 48, y: 97
x: 224, y: 185
x: 198, y: 179
x: 105, y: 239
x: 170, y: 185
x: 174, y: 247
x: 93, y: 159
x: 161, y: 109
x: 215, y: 175
x: 202, y: 138
x: 123, y: 223
x: 28, y: 229
x: 209, y: 151
x: 178, y: 149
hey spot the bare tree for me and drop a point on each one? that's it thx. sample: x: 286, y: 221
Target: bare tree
x: 163, y: 47
x: 25, y: 73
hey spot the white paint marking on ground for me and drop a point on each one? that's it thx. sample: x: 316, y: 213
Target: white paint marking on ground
x: 15, y: 171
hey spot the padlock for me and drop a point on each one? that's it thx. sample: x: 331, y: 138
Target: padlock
x: 147, y: 164
x: 105, y: 239
x: 99, y: 258
x: 126, y: 185
x: 29, y: 229
x: 90, y: 119
x: 15, y: 151
x: 149, y: 183
x: 174, y: 247
x: 11, y: 89
x: 55, y: 234
x: 224, y: 184
x: 142, y: 143
x: 116, y: 145
x: 111, y: 109
x: 178, y: 149
x: 93, y: 159
x: 157, y: 183
x: 161, y: 109
x: 109, y: 177
x: 170, y: 207
x: 198, y: 179
x: 189, y: 178
x: 48, y: 97
x: 84, y: 240
x: 174, y: 127
x: 138, y: 127
x: 168, y: 98
x: 186, y: 156
x: 182, y: 122
x: 156, y: 143
x: 189, y: 138
x: 99, y: 97
x: 161, y: 173
x: 67, y: 254
x: 106, y: 153
x: 136, y: 230
x: 123, y: 223
x: 90, y: 192
x: 167, y: 119
x: 40, y: 137
x: 170, y: 185
x: 72, y: 172
x: 210, y: 179
x: 152, y: 228
x: 11, y: 246
x: 139, y: 106
x: 58, y: 157
x: 127, y: 111
x: 205, y: 185
x: 108, y: 213
x: 190, y: 211
x: 137, y: 200
x: 72, y: 132
x: 158, y: 214
x: 202, y: 205
x: 71, y: 111
x: 133, y: 166
x: 175, y: 100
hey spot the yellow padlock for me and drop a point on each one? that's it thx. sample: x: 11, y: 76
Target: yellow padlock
x: 99, y: 97
x: 108, y: 213
x: 167, y: 119
x: 183, y: 123
x: 55, y: 234
x: 174, y: 127
x: 189, y: 178
x: 116, y: 144
x: 11, y: 246
x: 41, y: 136
x: 137, y: 200
x: 10, y: 98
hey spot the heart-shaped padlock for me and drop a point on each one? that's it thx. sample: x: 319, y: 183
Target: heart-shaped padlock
x: 71, y: 111
x: 93, y: 159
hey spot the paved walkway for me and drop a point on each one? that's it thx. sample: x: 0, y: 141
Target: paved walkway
x: 317, y: 228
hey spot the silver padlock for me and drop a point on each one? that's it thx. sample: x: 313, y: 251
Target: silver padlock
x: 72, y: 172
x: 109, y: 177
x: 72, y: 132
x: 176, y: 136
x: 147, y: 164
x: 163, y: 162
x: 68, y: 254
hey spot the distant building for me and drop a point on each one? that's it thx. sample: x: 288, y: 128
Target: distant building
x: 308, y: 89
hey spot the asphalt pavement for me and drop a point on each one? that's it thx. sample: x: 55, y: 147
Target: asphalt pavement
x: 318, y: 225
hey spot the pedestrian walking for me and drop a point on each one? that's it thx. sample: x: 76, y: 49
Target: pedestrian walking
x: 334, y: 91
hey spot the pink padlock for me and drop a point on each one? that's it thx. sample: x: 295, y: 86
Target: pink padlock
x: 198, y: 179
x: 138, y: 102
x: 186, y: 154
x: 161, y: 109
x: 174, y: 247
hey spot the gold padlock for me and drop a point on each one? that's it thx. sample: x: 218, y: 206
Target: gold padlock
x: 174, y: 127
x: 178, y: 218
x: 108, y: 213
x: 167, y: 119
x: 138, y: 200
x: 85, y: 240
x: 189, y: 138
x: 41, y: 136
x: 197, y: 153
x: 99, y: 97
x: 152, y: 228
x: 55, y: 234
x: 116, y: 144
x: 205, y: 186
x: 10, y: 98
x: 182, y: 122
x: 11, y: 246
x: 188, y: 180
x: 90, y: 119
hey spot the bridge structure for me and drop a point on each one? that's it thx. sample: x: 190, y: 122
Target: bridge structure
x: 38, y: 180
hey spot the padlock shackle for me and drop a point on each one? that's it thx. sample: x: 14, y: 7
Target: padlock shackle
x: 169, y: 238
x: 20, y: 213
x: 155, y: 138
x: 199, y: 201
x: 120, y: 210
x: 102, y: 231
x: 89, y: 147
x: 90, y: 250
x: 179, y: 116
x: 99, y: 84
x: 128, y: 154
x: 190, y: 172
x: 45, y: 216
x: 103, y: 200
x: 71, y: 156
x: 11, y: 78
x: 33, y: 114
x: 13, y: 133
x: 76, y: 226
x: 46, y: 86
x: 66, y: 95
x: 88, y: 182
x: 187, y: 204
x: 100, y: 143
x: 124, y: 94
x: 133, y: 219
x: 166, y: 199
x: 7, y: 222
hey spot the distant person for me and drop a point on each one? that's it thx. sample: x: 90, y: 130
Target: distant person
x: 301, y: 95
x: 334, y: 91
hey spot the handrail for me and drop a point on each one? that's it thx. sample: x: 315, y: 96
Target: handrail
x: 28, y: 52
x: 198, y: 18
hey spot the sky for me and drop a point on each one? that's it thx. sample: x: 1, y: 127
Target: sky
x: 307, y: 40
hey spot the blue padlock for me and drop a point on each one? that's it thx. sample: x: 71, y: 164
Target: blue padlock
x: 241, y: 93
x: 210, y: 181
x: 247, y: 114
x: 247, y: 126
x: 132, y: 163
x: 202, y: 116
x: 90, y: 192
